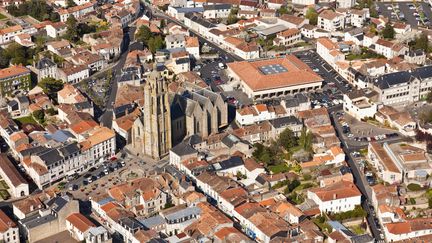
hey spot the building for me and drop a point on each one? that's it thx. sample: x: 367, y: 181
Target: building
x: 329, y: 51
x: 390, y: 49
x: 288, y: 37
x: 216, y: 11
x: 331, y: 21
x: 78, y: 226
x: 48, y: 220
x: 401, y: 88
x: 18, y: 186
x: 55, y: 30
x: 274, y: 78
x: 345, y: 3
x: 400, y: 163
x: 408, y: 229
x: 401, y: 120
x: 359, y: 104
x: 154, y: 126
x: 8, y: 229
x: 14, y: 78
x: 45, y: 68
x: 77, y: 11
x: 339, y: 197
x: 417, y: 57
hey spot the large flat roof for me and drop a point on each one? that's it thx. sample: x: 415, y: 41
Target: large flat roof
x: 274, y: 73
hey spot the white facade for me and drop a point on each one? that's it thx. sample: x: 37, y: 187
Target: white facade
x: 11, y: 235
x: 345, y: 3
x: 359, y: 107
x: 54, y: 32
x: 335, y: 205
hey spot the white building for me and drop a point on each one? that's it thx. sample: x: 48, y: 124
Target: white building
x: 345, y: 3
x: 359, y: 105
x: 55, y: 30
x: 331, y: 21
x: 329, y: 51
x: 216, y: 11
x: 175, y: 41
x: 8, y: 229
x: 288, y: 37
x: 78, y: 225
x: 388, y: 171
x: 338, y: 197
x: 408, y: 229
x: 389, y: 49
x: 18, y: 186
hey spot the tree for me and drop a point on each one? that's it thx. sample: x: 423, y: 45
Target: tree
x: 429, y: 97
x: 283, y: 10
x: 70, y: 3
x: 388, y: 32
x: 420, y: 43
x: 312, y: 15
x: 17, y: 54
x: 155, y: 43
x: 144, y: 34
x: 305, y: 139
x: 72, y: 28
x: 287, y: 139
x: 38, y: 9
x: 162, y: 23
x: 51, y: 85
x: 232, y: 19
x: 39, y: 115
x: 4, y: 59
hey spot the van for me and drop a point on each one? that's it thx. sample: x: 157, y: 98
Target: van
x: 221, y: 65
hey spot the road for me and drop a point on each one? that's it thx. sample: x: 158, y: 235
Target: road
x: 156, y: 12
x: 107, y: 117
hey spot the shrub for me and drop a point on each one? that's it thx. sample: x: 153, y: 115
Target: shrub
x: 414, y: 187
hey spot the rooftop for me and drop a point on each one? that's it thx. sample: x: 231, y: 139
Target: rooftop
x: 274, y: 73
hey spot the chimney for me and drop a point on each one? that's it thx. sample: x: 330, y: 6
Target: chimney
x: 334, y: 196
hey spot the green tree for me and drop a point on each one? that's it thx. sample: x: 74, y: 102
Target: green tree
x: 388, y: 32
x: 162, y: 23
x: 421, y: 43
x: 51, y: 85
x: 429, y: 97
x: 312, y: 15
x: 4, y: 59
x: 287, y: 139
x: 72, y: 28
x: 283, y: 10
x: 38, y: 9
x: 17, y: 54
x: 39, y: 115
x: 305, y: 139
x: 70, y: 3
x: 144, y: 34
x: 155, y: 43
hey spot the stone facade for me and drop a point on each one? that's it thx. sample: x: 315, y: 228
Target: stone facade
x: 151, y: 134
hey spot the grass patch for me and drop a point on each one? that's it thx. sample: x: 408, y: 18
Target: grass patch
x: 280, y: 168
x: 358, y: 230
x: 414, y: 187
x: 2, y: 17
x: 3, y: 185
x: 25, y: 120
x: 321, y: 222
x: 363, y: 152
x: 4, y: 194
x: 358, y: 212
x: 305, y: 186
x: 365, y: 54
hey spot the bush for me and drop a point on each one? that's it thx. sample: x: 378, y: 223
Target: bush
x: 357, y: 212
x: 414, y: 187
x: 307, y: 177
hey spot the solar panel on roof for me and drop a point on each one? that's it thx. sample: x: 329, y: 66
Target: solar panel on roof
x: 272, y: 69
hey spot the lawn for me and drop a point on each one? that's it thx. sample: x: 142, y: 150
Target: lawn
x: 4, y: 194
x: 25, y: 120
x: 358, y: 230
x: 414, y: 187
x: 2, y: 17
x: 280, y: 168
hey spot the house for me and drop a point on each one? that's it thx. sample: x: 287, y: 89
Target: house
x: 390, y: 49
x: 175, y: 41
x: 400, y: 120
x: 345, y: 3
x: 338, y: 197
x: 55, y: 30
x: 216, y: 11
x: 408, y: 229
x: 192, y: 46
x: 385, y: 195
x: 304, y: 2
x: 14, y: 78
x: 77, y: 11
x: 52, y: 217
x: 288, y: 37
x: 331, y: 21
x: 8, y: 229
x: 416, y: 56
x: 8, y: 34
x: 329, y: 51
x: 241, y: 48
x: 359, y: 104
x: 400, y: 163
x: 71, y: 73
x: 19, y: 106
x: 45, y: 68
x: 78, y: 225
x: 24, y: 40
x: 289, y: 76
x: 403, y: 87
x: 18, y: 186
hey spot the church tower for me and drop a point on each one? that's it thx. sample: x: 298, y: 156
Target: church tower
x: 156, y: 117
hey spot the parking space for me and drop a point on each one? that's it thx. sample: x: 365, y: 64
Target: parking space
x: 359, y: 133
x: 413, y: 13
